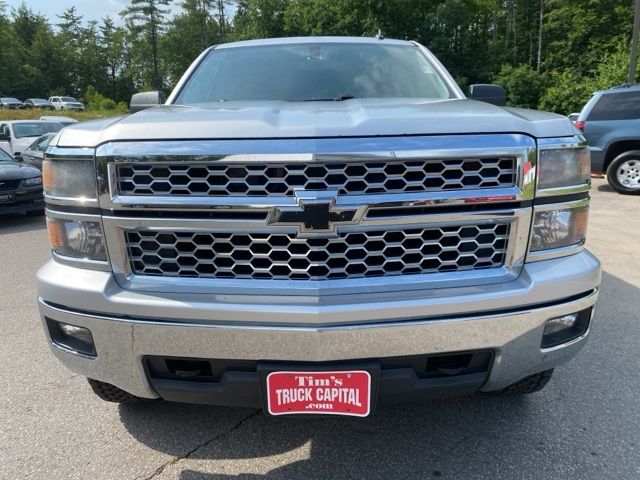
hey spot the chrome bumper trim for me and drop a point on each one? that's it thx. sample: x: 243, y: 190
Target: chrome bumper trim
x: 121, y: 344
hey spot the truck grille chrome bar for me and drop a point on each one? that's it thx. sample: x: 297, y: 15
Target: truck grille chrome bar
x: 283, y: 179
x: 281, y: 256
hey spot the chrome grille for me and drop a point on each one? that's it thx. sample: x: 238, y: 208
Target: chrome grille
x: 284, y: 256
x: 348, y: 178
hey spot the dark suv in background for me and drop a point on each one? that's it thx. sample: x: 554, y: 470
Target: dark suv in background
x: 611, y: 123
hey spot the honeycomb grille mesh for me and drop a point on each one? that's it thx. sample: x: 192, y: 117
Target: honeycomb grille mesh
x: 353, y: 178
x: 285, y: 256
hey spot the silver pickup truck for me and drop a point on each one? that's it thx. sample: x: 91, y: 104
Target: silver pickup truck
x: 317, y: 225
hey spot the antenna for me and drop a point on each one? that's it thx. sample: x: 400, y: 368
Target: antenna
x: 379, y: 35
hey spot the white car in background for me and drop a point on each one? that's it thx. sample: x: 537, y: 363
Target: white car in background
x: 17, y: 135
x: 66, y: 103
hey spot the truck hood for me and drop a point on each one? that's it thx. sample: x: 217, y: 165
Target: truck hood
x: 15, y: 171
x: 350, y: 118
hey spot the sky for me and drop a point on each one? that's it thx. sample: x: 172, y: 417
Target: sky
x: 90, y: 9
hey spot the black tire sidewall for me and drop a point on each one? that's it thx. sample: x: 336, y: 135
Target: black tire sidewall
x: 612, y: 177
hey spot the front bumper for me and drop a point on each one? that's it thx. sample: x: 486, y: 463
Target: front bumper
x: 507, y: 319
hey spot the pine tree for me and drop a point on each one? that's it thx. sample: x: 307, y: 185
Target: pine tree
x: 200, y: 10
x: 113, y: 48
x: 148, y: 17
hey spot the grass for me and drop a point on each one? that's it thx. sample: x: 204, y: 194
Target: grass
x: 35, y: 114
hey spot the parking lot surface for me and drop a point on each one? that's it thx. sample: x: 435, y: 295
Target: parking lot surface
x: 584, y: 425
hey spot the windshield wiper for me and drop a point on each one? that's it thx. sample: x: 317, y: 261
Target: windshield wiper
x: 339, y: 98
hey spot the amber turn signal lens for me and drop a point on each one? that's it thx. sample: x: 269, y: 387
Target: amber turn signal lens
x: 76, y: 239
x: 56, y: 238
x: 47, y: 175
x: 580, y: 223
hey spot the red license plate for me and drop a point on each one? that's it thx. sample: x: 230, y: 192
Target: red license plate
x: 331, y: 393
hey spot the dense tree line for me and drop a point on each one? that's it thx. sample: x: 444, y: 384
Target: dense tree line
x: 548, y: 53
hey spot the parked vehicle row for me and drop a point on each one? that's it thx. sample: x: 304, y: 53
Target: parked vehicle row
x: 54, y: 103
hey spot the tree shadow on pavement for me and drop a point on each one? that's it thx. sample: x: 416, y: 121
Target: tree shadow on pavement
x: 398, y: 441
x: 567, y: 430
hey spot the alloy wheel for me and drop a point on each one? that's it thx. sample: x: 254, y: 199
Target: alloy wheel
x: 628, y: 174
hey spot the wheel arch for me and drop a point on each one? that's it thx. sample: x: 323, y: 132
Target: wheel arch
x: 618, y: 147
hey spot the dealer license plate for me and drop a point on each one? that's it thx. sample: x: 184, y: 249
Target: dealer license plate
x: 329, y: 393
x: 7, y: 198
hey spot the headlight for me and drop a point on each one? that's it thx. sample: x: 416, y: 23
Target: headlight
x: 69, y: 179
x: 30, y: 182
x: 558, y: 226
x: 76, y: 238
x: 564, y: 167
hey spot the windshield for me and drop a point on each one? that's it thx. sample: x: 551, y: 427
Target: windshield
x: 308, y: 72
x: 34, y: 129
x: 68, y: 99
x: 5, y: 157
x: 38, y: 100
x: 9, y: 99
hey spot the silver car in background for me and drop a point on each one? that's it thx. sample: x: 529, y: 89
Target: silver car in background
x: 11, y: 103
x: 39, y: 103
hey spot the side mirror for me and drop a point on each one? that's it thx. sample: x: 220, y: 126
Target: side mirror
x: 484, y: 92
x: 5, y: 137
x: 18, y: 158
x: 144, y: 100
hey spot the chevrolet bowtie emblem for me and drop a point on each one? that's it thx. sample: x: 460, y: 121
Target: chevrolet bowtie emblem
x: 316, y: 213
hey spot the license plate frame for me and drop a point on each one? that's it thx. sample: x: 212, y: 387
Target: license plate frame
x: 358, y: 385
x: 9, y: 197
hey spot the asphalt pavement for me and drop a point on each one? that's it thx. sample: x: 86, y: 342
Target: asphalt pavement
x: 584, y: 425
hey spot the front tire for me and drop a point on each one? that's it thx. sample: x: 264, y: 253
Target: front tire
x: 623, y: 173
x: 531, y: 384
x: 111, y: 393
